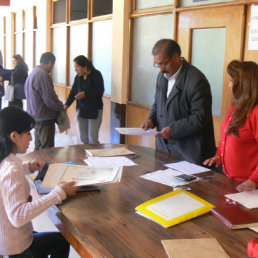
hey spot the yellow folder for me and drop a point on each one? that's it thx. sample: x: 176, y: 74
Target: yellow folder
x: 174, y: 207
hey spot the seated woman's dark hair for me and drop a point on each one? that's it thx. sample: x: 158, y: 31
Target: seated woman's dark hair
x: 12, y: 119
x: 83, y: 61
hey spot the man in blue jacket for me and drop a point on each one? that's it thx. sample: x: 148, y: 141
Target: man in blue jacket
x: 181, y: 111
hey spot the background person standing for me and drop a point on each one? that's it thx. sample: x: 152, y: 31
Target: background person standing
x: 42, y: 102
x: 87, y: 90
x: 181, y: 111
x: 18, y: 78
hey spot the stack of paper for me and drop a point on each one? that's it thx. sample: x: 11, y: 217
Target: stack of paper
x: 136, y: 131
x: 187, y: 167
x: 59, y: 173
x: 194, y: 248
x: 109, y: 152
x: 174, y: 207
x: 166, y: 177
x: 109, y: 161
x: 247, y: 199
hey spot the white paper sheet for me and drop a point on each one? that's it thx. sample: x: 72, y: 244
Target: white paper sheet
x: 166, y: 177
x: 109, y: 161
x: 186, y: 167
x: 109, y: 152
x: 136, y: 131
x: 247, y: 199
x: 175, y: 206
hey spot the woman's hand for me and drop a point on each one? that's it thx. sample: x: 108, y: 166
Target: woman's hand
x: 248, y: 185
x: 70, y: 188
x: 80, y: 95
x: 211, y: 161
x: 35, y: 165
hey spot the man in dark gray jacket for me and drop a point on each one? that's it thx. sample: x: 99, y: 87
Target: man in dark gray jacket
x: 181, y: 111
x: 42, y: 102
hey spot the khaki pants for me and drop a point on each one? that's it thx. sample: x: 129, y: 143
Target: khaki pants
x: 44, y: 136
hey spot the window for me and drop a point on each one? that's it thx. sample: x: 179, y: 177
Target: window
x: 101, y: 7
x: 79, y: 9
x: 59, y: 11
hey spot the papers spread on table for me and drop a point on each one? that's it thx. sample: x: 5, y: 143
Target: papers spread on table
x: 247, y: 199
x: 166, y: 177
x: 109, y: 161
x: 108, y: 152
x: 59, y: 173
x: 187, y: 167
x: 174, y: 207
x: 136, y: 131
x: 194, y: 248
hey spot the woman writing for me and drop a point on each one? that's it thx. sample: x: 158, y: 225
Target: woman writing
x: 18, y: 78
x: 17, y: 209
x: 238, y: 147
x: 88, y: 89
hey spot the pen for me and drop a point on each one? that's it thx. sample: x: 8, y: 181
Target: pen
x: 88, y: 189
x: 136, y: 156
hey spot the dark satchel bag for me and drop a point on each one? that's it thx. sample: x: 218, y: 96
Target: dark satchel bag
x: 19, y: 91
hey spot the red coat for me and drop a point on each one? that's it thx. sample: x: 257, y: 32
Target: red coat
x: 239, y: 155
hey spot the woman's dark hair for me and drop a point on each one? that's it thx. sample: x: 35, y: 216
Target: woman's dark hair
x: 245, y: 90
x: 12, y: 119
x: 20, y: 60
x: 83, y: 61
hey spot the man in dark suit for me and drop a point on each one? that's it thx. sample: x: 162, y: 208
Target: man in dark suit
x: 181, y: 111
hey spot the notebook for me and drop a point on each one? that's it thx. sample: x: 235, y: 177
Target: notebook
x: 173, y: 208
x: 234, y: 217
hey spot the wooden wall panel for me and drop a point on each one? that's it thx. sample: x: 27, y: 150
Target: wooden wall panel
x: 104, y: 133
x: 135, y: 115
x: 249, y: 55
x: 233, y: 19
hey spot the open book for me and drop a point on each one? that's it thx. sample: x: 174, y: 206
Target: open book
x: 59, y: 173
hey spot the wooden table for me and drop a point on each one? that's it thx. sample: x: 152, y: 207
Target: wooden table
x: 104, y: 224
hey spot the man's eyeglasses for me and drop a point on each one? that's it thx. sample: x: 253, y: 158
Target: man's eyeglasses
x: 161, y: 64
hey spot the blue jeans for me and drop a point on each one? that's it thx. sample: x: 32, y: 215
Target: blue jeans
x: 44, y: 244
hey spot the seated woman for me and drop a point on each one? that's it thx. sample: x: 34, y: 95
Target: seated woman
x: 17, y: 209
x: 87, y: 90
x: 238, y: 147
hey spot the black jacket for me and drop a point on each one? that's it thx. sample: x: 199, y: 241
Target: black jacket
x: 93, y: 87
x: 187, y: 111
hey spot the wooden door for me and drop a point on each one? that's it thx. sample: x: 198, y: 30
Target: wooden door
x: 232, y: 20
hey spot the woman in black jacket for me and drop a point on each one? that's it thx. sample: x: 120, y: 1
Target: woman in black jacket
x: 18, y: 78
x: 88, y: 89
